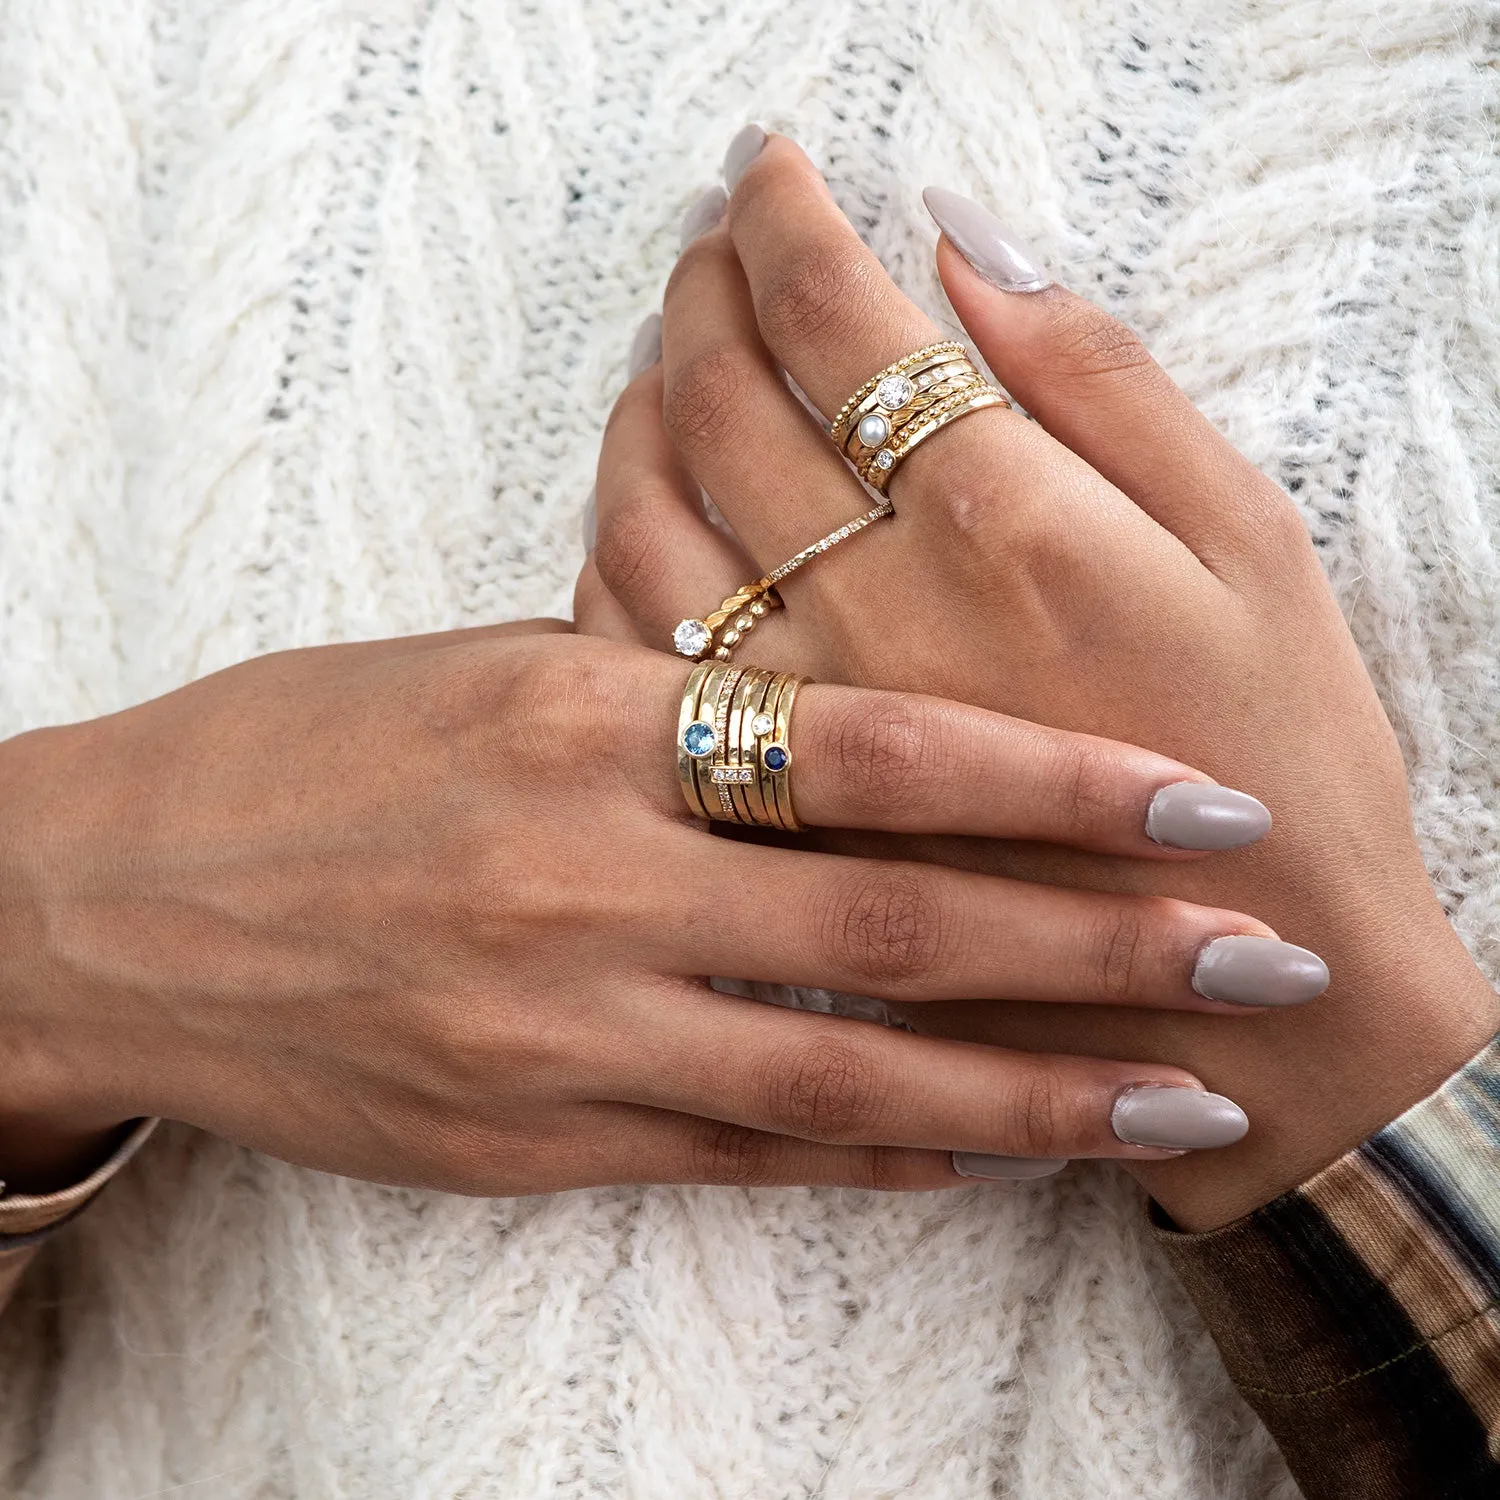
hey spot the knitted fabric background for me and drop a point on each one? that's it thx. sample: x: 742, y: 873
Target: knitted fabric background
x: 310, y: 315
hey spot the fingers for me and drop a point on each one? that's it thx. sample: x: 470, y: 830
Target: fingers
x: 906, y: 763
x: 1089, y: 381
x: 905, y: 931
x: 655, y: 551
x: 755, y: 448
x: 596, y: 611
x: 632, y: 1143
x: 840, y: 1082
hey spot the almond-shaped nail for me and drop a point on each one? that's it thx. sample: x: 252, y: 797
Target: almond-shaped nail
x: 1006, y: 1168
x: 590, y: 522
x: 743, y: 150
x: 1245, y: 970
x: 1177, y: 1119
x: 1001, y: 256
x: 645, y: 347
x: 1200, y: 815
x: 703, y: 215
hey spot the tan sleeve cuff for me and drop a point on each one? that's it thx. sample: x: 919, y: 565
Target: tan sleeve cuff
x: 26, y: 1218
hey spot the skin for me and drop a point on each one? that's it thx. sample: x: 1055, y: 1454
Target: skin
x: 434, y: 912
x: 1112, y: 567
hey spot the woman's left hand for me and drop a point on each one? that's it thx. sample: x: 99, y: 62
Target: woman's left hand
x: 1113, y: 567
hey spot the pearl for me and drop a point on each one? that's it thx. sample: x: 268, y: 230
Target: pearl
x: 874, y: 430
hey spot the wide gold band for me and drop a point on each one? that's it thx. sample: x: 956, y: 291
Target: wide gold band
x: 733, y: 753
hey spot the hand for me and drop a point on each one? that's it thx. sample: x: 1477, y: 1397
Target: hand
x: 434, y: 912
x: 1113, y: 567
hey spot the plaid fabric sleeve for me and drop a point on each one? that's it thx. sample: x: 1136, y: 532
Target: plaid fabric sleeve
x: 26, y: 1221
x: 1358, y: 1312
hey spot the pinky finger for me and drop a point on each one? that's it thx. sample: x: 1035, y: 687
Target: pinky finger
x: 638, y: 1144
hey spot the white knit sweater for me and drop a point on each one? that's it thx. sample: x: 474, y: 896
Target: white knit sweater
x: 310, y: 313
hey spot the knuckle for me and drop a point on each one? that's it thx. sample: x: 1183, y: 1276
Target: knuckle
x: 888, y: 753
x: 827, y: 1089
x: 1088, y: 343
x: 633, y: 543
x: 704, y: 401
x: 1035, y: 1125
x: 733, y: 1155
x: 1079, y: 795
x: 814, y: 295
x: 1119, y: 950
x: 885, y: 927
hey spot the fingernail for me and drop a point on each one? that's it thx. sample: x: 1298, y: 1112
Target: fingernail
x: 703, y: 215
x: 645, y: 347
x: 1006, y: 1168
x: 1004, y: 259
x: 743, y: 150
x: 1198, y: 815
x: 1246, y: 970
x: 590, y: 527
x: 1177, y: 1119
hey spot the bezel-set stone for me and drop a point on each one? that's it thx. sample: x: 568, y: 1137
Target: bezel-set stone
x: 885, y: 459
x: 874, y: 430
x: 762, y: 724
x: 776, y: 757
x: 894, y: 392
x: 699, y: 739
x: 691, y: 639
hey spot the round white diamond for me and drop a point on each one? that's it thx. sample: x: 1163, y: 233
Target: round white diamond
x: 692, y: 638
x: 894, y: 392
x: 884, y: 459
x: 762, y: 724
x: 874, y: 430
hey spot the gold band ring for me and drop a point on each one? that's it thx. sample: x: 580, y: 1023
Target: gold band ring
x: 717, y: 635
x: 905, y: 403
x: 733, y: 753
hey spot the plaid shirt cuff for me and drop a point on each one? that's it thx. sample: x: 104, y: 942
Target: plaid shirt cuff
x: 1358, y: 1312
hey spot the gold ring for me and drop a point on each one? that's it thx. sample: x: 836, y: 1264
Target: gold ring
x: 733, y: 745
x: 717, y: 635
x: 905, y: 403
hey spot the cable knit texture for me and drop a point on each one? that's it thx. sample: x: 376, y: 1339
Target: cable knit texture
x: 310, y: 314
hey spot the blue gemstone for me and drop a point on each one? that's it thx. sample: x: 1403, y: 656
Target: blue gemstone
x: 698, y: 739
x: 775, y: 758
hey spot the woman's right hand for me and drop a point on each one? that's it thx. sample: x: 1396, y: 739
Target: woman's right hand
x: 433, y: 912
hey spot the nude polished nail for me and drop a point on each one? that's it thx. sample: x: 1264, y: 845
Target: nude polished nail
x: 645, y: 347
x: 1177, y: 1119
x: 1002, y: 257
x: 703, y: 215
x: 1245, y: 970
x: 1006, y: 1168
x: 743, y: 149
x: 1199, y: 815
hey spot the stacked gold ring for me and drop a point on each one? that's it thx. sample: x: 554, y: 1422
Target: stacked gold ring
x: 905, y: 403
x: 733, y: 756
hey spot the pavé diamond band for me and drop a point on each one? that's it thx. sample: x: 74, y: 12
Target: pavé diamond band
x: 733, y: 758
x: 906, y: 402
x: 717, y: 635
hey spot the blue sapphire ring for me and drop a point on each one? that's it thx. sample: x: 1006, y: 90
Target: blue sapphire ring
x: 733, y: 756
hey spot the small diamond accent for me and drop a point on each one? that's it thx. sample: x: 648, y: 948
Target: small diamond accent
x: 762, y: 724
x: 776, y: 757
x: 894, y: 392
x: 699, y: 739
x: 692, y: 638
x: 885, y: 459
x: 737, y: 775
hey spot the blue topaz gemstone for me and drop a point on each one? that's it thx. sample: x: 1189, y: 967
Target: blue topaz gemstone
x: 698, y: 739
x: 775, y: 757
